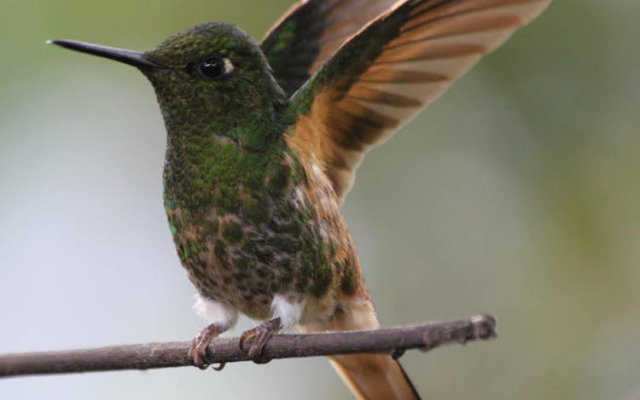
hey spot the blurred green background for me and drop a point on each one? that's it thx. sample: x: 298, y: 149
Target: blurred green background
x: 517, y: 193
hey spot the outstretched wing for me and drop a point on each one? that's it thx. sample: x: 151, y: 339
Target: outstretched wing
x: 390, y: 70
x: 310, y: 33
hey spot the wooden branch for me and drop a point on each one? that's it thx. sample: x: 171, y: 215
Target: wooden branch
x: 223, y: 350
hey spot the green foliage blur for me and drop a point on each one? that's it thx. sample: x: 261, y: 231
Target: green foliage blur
x: 517, y: 193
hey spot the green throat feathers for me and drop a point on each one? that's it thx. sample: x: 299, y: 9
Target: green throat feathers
x: 224, y: 115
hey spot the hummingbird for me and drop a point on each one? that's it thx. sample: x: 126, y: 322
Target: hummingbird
x: 263, y: 140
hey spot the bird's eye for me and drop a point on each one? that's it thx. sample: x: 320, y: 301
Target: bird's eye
x: 212, y: 67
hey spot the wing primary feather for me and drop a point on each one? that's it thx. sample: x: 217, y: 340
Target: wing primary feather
x: 417, y: 23
x: 434, y: 52
x: 496, y: 23
x: 380, y: 97
x: 401, y: 76
x: 368, y: 116
x: 389, y: 69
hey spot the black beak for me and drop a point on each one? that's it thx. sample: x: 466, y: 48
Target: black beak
x: 135, y: 58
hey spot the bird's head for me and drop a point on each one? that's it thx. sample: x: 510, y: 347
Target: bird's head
x: 209, y: 79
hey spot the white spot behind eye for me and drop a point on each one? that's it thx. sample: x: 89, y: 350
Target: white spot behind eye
x: 228, y: 66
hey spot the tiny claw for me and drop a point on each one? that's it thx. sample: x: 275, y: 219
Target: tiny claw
x: 198, y: 350
x: 260, y: 335
x: 397, y: 353
x: 219, y: 367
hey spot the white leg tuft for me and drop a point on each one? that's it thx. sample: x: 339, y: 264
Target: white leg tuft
x: 215, y: 312
x: 288, y: 310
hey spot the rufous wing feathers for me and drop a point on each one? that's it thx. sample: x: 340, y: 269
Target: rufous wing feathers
x: 390, y: 70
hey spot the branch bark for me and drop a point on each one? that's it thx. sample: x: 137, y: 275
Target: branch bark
x: 394, y: 341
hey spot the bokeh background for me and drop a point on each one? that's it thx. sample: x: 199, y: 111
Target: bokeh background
x: 516, y: 193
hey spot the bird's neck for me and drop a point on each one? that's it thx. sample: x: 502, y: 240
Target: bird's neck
x: 218, y: 146
x: 205, y: 170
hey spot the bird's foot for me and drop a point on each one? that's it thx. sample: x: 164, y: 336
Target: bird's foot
x: 198, y: 350
x: 259, y: 336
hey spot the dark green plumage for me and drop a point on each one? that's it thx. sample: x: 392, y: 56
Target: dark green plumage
x: 236, y: 195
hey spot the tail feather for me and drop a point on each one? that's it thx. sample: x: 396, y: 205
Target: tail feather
x: 369, y: 376
x: 374, y: 377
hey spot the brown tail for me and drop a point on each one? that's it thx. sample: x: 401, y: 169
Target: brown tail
x: 369, y: 376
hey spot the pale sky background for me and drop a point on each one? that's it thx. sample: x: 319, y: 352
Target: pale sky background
x: 517, y: 194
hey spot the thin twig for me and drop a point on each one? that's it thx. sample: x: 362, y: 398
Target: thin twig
x: 223, y: 350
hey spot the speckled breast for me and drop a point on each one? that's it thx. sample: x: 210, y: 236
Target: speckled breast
x: 248, y: 245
